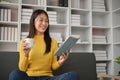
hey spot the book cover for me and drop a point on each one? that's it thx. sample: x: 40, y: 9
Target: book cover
x: 65, y: 3
x: 9, y: 15
x: 16, y: 33
x: 6, y: 33
x: 9, y: 33
x: 2, y: 32
x: 61, y: 3
x: 2, y: 14
x: 5, y: 15
x: 12, y: 34
x: 68, y: 44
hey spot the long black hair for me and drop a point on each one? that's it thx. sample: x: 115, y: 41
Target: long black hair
x: 31, y: 34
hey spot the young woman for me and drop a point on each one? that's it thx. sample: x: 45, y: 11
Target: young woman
x: 38, y: 62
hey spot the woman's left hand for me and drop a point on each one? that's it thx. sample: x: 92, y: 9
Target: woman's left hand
x: 63, y: 57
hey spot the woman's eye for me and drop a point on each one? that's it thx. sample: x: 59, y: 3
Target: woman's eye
x: 46, y: 21
x: 40, y: 20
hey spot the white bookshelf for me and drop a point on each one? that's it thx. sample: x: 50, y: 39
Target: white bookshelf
x: 116, y: 33
x: 91, y: 21
x: 8, y: 23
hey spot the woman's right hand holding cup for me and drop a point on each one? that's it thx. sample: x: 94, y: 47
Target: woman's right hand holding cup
x: 27, y: 45
x: 26, y: 50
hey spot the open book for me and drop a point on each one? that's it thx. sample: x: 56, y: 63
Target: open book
x: 67, y: 45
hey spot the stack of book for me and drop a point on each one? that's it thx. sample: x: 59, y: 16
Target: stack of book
x: 5, y: 14
x: 101, y: 68
x: 98, y: 5
x: 100, y: 54
x: 8, y: 33
x: 75, y: 19
x: 24, y: 34
x: 26, y: 14
x: 41, y: 2
x: 52, y: 17
x: 99, y: 38
x: 57, y: 36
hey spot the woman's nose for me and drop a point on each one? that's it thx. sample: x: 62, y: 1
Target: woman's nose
x: 43, y: 22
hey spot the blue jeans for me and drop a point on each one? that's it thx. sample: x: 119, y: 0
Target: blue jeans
x: 19, y: 75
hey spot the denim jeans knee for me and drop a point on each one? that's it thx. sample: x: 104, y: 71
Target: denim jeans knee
x: 73, y: 75
x: 17, y: 75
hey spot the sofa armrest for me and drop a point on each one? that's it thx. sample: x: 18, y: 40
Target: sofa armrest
x: 8, y: 62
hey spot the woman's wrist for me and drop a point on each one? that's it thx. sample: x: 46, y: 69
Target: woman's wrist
x: 60, y: 63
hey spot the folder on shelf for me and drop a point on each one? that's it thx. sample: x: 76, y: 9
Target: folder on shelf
x: 67, y: 44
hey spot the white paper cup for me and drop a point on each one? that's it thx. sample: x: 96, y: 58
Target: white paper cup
x: 30, y: 42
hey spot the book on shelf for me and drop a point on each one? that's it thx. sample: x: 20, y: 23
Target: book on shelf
x: 2, y: 14
x: 5, y: 15
x: 24, y: 34
x: 52, y: 12
x: 57, y: 36
x: 25, y: 17
x: 52, y: 17
x: 2, y: 33
x: 5, y: 2
x: 101, y: 64
x: 12, y: 33
x: 102, y: 71
x: 9, y: 14
x: 98, y: 1
x: 99, y: 53
x: 101, y: 57
x: 63, y: 3
x: 41, y: 2
x: 8, y: 33
x: 26, y: 13
x: 5, y: 33
x: 98, y: 7
x: 27, y: 10
x: 98, y: 38
x: 97, y: 4
x: 16, y: 33
x: 67, y: 44
x: 75, y: 19
x: 101, y: 68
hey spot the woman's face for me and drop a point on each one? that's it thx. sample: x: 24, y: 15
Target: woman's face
x: 41, y: 23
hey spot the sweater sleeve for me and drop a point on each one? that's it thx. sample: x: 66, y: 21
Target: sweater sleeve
x: 55, y: 63
x: 23, y: 61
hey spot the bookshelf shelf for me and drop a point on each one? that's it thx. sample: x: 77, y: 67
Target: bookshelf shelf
x: 33, y: 5
x: 8, y: 41
x: 91, y: 21
x: 8, y: 23
x: 9, y: 5
x: 54, y: 6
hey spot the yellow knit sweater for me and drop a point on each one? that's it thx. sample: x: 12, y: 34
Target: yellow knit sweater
x: 38, y: 63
